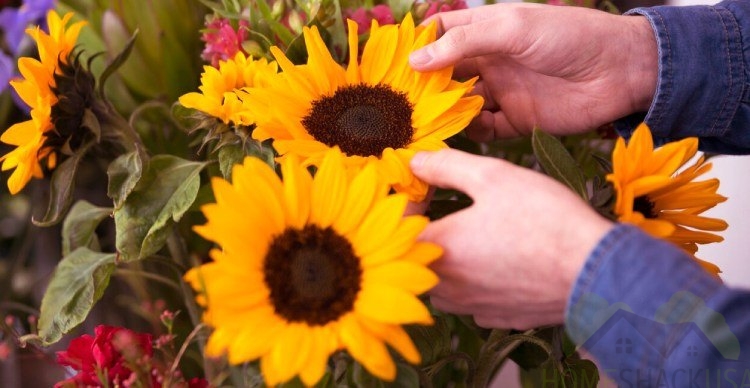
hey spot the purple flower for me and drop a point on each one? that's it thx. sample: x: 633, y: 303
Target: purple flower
x: 14, y: 21
x: 6, y: 71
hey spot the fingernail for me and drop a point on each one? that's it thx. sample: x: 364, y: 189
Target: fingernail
x: 420, y: 57
x: 417, y: 161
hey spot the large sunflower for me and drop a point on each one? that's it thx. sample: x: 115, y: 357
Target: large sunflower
x: 310, y: 266
x: 665, y: 203
x: 377, y: 110
x: 218, y: 97
x: 37, y: 88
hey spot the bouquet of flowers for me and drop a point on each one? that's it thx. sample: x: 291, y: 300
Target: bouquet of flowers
x: 226, y: 184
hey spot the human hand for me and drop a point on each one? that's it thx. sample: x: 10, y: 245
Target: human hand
x: 511, y: 258
x: 558, y: 68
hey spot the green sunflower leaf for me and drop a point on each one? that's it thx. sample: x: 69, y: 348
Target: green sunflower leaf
x: 124, y: 173
x: 117, y: 62
x: 558, y: 163
x: 62, y: 185
x: 166, y: 191
x: 232, y: 154
x: 78, y: 282
x: 229, y: 155
x: 78, y: 229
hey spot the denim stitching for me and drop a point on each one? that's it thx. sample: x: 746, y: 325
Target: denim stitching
x: 667, y: 82
x: 728, y: 53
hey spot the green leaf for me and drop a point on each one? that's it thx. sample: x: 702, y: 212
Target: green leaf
x: 165, y: 192
x: 232, y: 154
x: 229, y: 155
x: 557, y: 162
x: 124, y: 173
x: 80, y: 224
x: 62, y: 185
x: 78, y: 282
x: 118, y: 61
x: 433, y: 342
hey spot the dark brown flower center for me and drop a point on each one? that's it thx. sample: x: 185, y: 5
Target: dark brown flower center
x: 313, y: 274
x: 362, y: 119
x: 74, y: 89
x: 644, y: 206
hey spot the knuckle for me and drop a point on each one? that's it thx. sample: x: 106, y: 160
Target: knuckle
x: 454, y: 39
x: 486, y: 171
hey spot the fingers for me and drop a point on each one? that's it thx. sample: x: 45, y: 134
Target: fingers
x: 420, y: 208
x: 489, y: 126
x: 498, y: 29
x: 454, y: 169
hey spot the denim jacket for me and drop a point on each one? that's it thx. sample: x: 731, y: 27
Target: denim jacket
x: 641, y: 307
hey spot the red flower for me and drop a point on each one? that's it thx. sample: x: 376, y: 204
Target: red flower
x: 107, y: 354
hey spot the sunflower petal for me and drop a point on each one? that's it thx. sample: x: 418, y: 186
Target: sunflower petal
x: 390, y: 304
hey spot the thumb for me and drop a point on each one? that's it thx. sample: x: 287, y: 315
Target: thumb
x: 455, y: 169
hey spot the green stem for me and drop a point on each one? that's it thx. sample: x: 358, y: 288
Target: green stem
x: 147, y: 275
x: 184, y: 347
x: 460, y: 356
x: 178, y: 251
x: 497, y: 349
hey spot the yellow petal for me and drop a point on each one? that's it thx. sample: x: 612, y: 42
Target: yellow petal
x: 405, y: 275
x: 363, y: 191
x: 367, y: 349
x: 397, y: 244
x: 380, y: 224
x: 329, y: 190
x: 396, y: 337
x: 297, y: 189
x: 390, y: 304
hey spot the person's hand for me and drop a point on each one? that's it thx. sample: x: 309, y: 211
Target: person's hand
x: 564, y: 69
x: 511, y: 258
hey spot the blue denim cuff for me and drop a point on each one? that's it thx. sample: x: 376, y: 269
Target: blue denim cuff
x: 629, y: 269
x: 701, y: 77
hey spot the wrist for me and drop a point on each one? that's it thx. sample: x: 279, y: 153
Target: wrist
x: 581, y: 243
x: 642, y: 64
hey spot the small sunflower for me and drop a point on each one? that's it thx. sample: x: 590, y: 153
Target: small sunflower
x: 665, y: 203
x: 37, y: 139
x: 311, y: 266
x: 218, y: 97
x: 377, y: 110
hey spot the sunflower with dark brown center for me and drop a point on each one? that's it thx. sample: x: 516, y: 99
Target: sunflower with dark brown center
x: 39, y: 89
x: 376, y: 110
x: 308, y: 266
x: 665, y: 202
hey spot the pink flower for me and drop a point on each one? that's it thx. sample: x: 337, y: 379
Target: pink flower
x: 4, y: 351
x: 436, y: 6
x: 105, y: 353
x: 222, y: 41
x: 364, y: 17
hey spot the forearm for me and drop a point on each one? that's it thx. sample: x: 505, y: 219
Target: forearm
x: 654, y: 300
x: 702, y: 86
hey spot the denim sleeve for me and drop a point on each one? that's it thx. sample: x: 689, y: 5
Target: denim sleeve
x: 702, y: 88
x: 652, y: 317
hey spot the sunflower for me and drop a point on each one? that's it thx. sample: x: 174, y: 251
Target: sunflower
x: 311, y: 266
x: 377, y: 110
x: 218, y: 97
x: 38, y: 89
x: 665, y: 203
